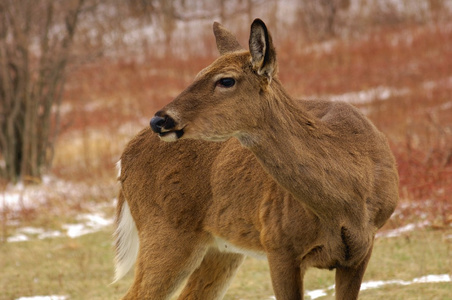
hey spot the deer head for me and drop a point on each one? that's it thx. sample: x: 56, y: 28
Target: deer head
x: 227, y: 98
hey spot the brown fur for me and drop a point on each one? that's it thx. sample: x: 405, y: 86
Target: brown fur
x: 305, y: 183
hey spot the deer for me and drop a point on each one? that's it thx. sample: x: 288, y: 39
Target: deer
x: 235, y: 167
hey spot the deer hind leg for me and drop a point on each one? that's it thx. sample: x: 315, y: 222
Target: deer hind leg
x: 165, y: 259
x: 348, y: 279
x: 211, y: 280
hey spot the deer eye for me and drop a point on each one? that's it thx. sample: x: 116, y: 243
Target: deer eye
x: 226, y: 82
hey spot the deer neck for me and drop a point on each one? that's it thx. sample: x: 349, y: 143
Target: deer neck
x: 294, y: 147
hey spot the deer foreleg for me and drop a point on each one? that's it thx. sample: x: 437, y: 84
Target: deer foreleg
x: 286, y: 275
x: 348, y: 279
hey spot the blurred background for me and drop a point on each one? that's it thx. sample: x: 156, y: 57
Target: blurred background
x: 79, y: 78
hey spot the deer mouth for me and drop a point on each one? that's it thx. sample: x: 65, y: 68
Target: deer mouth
x: 171, y: 134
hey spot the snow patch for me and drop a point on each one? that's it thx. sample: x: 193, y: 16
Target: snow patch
x: 89, y: 223
x: 316, y: 294
x: 24, y: 234
x: 378, y: 284
x: 401, y: 230
x: 367, y: 96
x: 43, y: 298
x: 17, y: 197
x: 92, y: 223
x: 385, y: 93
x: 446, y: 106
x: 425, y: 279
x: 18, y: 238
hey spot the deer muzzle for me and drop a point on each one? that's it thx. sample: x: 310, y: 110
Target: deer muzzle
x: 166, y: 126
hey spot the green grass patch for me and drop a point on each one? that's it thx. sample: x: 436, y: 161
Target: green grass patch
x: 82, y: 268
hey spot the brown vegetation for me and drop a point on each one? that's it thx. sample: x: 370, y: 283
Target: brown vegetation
x: 109, y: 99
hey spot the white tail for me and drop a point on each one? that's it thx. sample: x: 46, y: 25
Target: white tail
x: 302, y: 183
x: 127, y: 242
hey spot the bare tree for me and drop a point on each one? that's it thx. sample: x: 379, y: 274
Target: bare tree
x: 35, y: 43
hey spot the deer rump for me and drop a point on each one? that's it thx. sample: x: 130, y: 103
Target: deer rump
x: 193, y: 209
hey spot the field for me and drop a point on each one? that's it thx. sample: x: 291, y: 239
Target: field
x: 81, y: 268
x: 400, y: 76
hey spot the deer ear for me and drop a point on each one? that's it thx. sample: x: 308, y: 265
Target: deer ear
x: 226, y: 41
x: 263, y: 54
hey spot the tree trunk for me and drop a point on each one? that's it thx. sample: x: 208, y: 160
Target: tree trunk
x: 30, y: 83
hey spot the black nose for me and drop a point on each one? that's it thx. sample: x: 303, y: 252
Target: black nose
x: 157, y: 123
x: 161, y: 122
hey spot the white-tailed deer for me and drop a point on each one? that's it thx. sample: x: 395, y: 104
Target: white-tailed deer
x: 302, y: 183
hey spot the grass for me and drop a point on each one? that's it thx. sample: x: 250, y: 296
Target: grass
x: 82, y: 268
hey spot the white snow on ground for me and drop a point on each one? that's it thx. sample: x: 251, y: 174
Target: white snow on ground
x: 43, y: 298
x: 24, y: 234
x: 424, y: 279
x: 385, y: 93
x: 367, y: 96
x: 377, y: 284
x: 89, y: 223
x: 401, y: 230
x: 18, y: 238
x: 17, y: 197
x: 316, y: 294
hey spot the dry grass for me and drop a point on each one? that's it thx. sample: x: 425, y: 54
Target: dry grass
x: 81, y: 268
